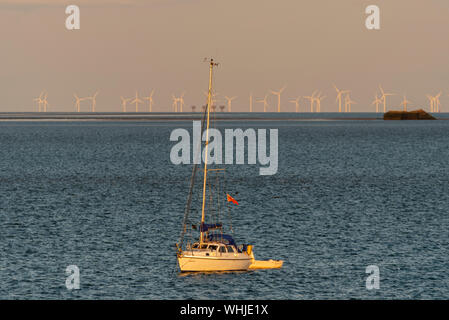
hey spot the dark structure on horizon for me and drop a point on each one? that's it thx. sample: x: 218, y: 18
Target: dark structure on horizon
x: 408, y: 115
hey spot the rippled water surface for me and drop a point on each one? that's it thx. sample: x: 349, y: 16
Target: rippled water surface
x: 105, y: 197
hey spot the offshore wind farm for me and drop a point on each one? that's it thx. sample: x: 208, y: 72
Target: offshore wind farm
x: 343, y: 104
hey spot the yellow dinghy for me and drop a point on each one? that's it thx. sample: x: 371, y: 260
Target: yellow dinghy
x: 263, y: 264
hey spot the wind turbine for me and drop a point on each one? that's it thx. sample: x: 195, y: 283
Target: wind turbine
x: 150, y: 101
x: 44, y: 101
x: 39, y: 101
x: 296, y: 102
x: 312, y: 100
x: 94, y: 101
x: 348, y: 102
x: 137, y: 101
x: 434, y: 102
x: 384, y: 97
x: 124, y: 103
x: 213, y: 98
x: 377, y: 101
x: 77, y: 102
x: 265, y: 104
x: 181, y: 101
x: 229, y: 102
x: 404, y: 103
x: 318, y: 102
x: 175, y: 103
x: 339, y: 95
x: 278, y: 93
x: 250, y: 102
x: 437, y: 102
x: 46, y: 104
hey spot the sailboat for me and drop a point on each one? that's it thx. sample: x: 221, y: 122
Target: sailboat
x: 215, y: 250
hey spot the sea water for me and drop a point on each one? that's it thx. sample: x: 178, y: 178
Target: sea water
x: 104, y: 196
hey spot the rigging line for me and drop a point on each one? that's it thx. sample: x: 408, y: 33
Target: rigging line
x: 217, y: 182
x: 211, y: 201
x: 218, y: 196
x: 214, y: 191
x: 228, y: 208
x: 192, y: 183
x: 215, y: 121
x: 214, y: 214
x: 218, y: 193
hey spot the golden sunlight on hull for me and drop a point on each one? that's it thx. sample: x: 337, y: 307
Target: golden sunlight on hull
x: 206, y: 264
x: 263, y: 264
x: 267, y: 264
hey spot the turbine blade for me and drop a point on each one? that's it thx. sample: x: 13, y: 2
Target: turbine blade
x: 336, y: 89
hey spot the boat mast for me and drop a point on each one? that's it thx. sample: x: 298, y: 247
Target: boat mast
x: 209, y: 98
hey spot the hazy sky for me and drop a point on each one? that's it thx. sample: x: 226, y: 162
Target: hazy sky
x: 124, y: 46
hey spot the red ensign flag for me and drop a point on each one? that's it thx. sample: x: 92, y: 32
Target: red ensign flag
x: 231, y: 199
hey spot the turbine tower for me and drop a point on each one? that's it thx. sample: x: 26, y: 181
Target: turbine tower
x: 339, y: 95
x: 213, y: 98
x: 124, y: 103
x: 404, y: 103
x: 137, y: 101
x: 94, y: 101
x: 278, y: 93
x: 150, y: 101
x: 318, y: 102
x: 348, y: 102
x: 437, y: 102
x: 250, y: 102
x: 384, y: 97
x: 175, y: 103
x: 181, y: 101
x: 78, y: 102
x: 44, y: 101
x: 311, y: 99
x: 39, y: 101
x: 434, y: 102
x: 229, y: 102
x: 377, y: 101
x: 265, y: 104
x: 296, y: 102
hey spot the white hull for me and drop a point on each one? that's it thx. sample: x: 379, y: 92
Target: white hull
x: 203, y: 264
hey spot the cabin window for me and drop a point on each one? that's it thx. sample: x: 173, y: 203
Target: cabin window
x: 203, y: 246
x: 230, y: 249
x: 222, y: 249
x: 195, y: 246
x: 213, y: 247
